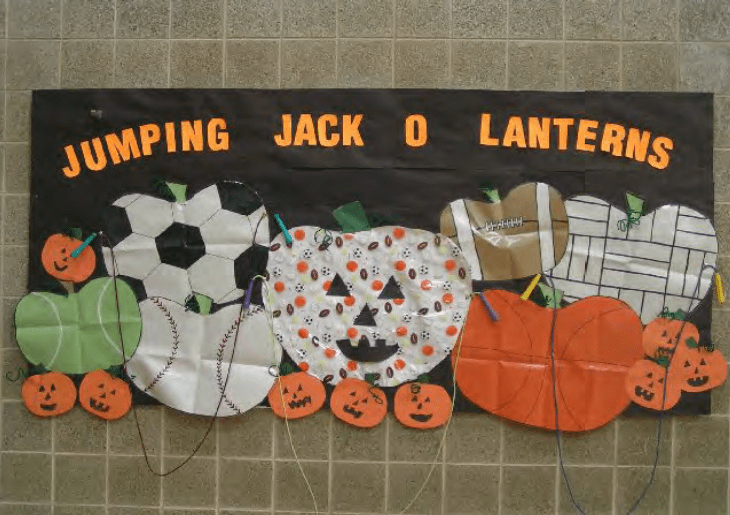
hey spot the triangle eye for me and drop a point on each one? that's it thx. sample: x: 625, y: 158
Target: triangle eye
x: 650, y: 375
x: 661, y: 381
x: 664, y: 334
x: 414, y: 399
x: 300, y: 388
x: 53, y: 387
x: 428, y: 399
x: 702, y: 362
x: 286, y: 390
x: 686, y: 364
x: 338, y: 288
x: 353, y: 394
x: 42, y: 389
x: 391, y: 290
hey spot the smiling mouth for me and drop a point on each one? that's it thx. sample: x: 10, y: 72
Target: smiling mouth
x: 98, y: 406
x: 48, y: 407
x: 59, y: 268
x: 421, y: 417
x: 644, y: 394
x: 364, y: 352
x: 300, y: 403
x: 698, y: 381
x: 352, y: 411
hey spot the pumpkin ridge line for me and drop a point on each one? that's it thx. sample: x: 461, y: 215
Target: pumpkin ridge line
x: 175, y: 343
x: 568, y: 341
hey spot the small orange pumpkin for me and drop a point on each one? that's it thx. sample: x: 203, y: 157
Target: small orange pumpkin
x: 661, y: 335
x: 698, y: 369
x: 105, y: 396
x: 358, y: 403
x: 422, y: 406
x: 49, y: 394
x: 645, y: 385
x: 302, y: 395
x: 57, y: 260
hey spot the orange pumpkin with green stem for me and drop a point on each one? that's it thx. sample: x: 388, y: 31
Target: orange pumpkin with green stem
x: 58, y: 262
x: 698, y: 368
x: 661, y: 335
x: 358, y: 403
x: 301, y: 393
x: 105, y: 396
x: 422, y: 406
x: 645, y: 386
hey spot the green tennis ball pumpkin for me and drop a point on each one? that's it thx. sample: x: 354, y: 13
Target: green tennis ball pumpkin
x: 79, y: 333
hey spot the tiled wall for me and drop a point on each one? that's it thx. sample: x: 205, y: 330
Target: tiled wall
x: 79, y: 465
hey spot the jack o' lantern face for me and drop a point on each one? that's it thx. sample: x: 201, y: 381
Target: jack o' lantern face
x: 661, y: 335
x: 48, y: 395
x: 104, y: 396
x: 422, y: 406
x: 645, y: 386
x: 388, y: 302
x: 58, y: 262
x: 358, y: 403
x: 699, y: 369
x: 301, y: 393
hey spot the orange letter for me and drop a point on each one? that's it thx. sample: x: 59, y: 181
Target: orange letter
x: 485, y: 130
x: 148, y: 134
x: 660, y: 147
x: 73, y: 168
x: 539, y: 129
x: 637, y: 144
x: 613, y: 139
x: 514, y: 133
x: 413, y: 140
x: 563, y: 124
x: 322, y: 130
x: 217, y: 135
x: 586, y: 133
x: 305, y: 131
x: 351, y: 130
x: 170, y: 137
x: 284, y: 139
x: 93, y: 164
x: 122, y: 150
x: 191, y: 134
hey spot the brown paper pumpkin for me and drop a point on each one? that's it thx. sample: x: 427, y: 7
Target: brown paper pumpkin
x: 645, y: 385
x: 105, y: 396
x: 422, y: 406
x: 698, y: 369
x: 49, y: 394
x: 57, y: 260
x: 302, y: 396
x: 661, y: 335
x: 358, y: 403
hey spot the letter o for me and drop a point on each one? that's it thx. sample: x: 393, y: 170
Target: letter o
x: 416, y: 130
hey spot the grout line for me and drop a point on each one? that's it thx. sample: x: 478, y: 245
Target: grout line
x: 501, y: 467
x: 557, y: 478
x: 450, y: 43
x: 60, y: 42
x: 672, y: 467
x: 562, y: 75
x: 272, y: 498
x: 614, y: 473
x: 162, y: 458
x: 386, y: 489
x: 217, y: 464
x: 506, y: 72
x: 281, y: 44
x: 114, y: 47
x: 224, y: 57
x: 392, y: 60
x: 621, y: 46
x: 53, y: 464
x: 169, y: 45
x: 337, y: 43
x: 330, y: 467
x: 106, y: 488
x: 443, y: 465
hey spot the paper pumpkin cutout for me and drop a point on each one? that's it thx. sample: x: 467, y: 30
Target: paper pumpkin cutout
x: 661, y: 335
x: 422, y: 406
x: 504, y: 366
x: 105, y: 396
x: 652, y: 265
x: 183, y: 357
x: 358, y: 403
x: 302, y: 394
x: 49, y: 394
x: 523, y: 235
x: 645, y: 386
x: 58, y: 262
x: 78, y: 333
x: 205, y: 245
x: 698, y: 369
x: 389, y: 301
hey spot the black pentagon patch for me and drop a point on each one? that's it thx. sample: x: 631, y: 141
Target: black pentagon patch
x: 249, y: 264
x: 180, y: 245
x: 116, y: 224
x: 238, y: 198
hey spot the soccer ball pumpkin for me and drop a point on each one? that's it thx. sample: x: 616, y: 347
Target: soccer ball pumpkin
x: 388, y: 302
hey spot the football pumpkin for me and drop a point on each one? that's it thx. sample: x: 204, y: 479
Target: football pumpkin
x: 48, y: 395
x: 422, y: 406
x: 358, y: 403
x: 389, y: 301
x: 296, y: 395
x: 105, y: 396
x: 505, y: 368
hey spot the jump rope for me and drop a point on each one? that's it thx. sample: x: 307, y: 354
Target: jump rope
x: 245, y: 310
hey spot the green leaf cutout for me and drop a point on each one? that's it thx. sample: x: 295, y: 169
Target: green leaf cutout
x: 285, y: 369
x: 490, y: 193
x: 634, y: 204
x: 351, y: 217
x: 551, y: 296
x: 178, y: 191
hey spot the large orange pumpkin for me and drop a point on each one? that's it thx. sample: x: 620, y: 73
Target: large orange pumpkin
x: 358, y: 403
x: 505, y: 368
x: 661, y: 335
x: 57, y: 260
x: 422, y: 406
x: 697, y: 368
x: 49, y: 394
x: 645, y: 386
x: 301, y: 393
x: 105, y: 396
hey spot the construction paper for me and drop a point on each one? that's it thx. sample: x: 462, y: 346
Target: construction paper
x: 79, y: 332
x: 389, y: 301
x: 48, y: 395
x: 520, y: 236
x: 358, y: 403
x: 652, y: 265
x: 296, y: 395
x: 645, y: 385
x: 212, y: 244
x: 351, y: 217
x: 183, y: 357
x: 422, y: 406
x: 697, y: 368
x: 505, y: 368
x: 59, y: 261
x: 105, y: 396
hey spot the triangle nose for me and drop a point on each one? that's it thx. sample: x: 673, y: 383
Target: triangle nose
x: 365, y: 318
